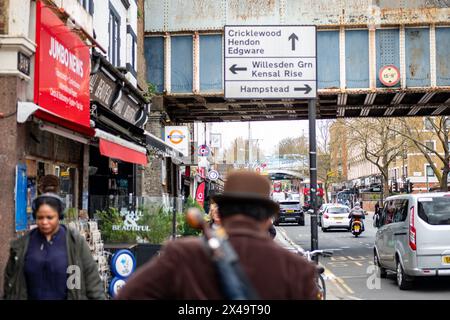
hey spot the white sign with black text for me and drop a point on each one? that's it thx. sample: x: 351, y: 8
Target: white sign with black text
x: 270, y: 62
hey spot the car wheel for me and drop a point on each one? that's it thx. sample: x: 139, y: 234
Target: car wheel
x: 381, y: 271
x: 404, y: 282
x: 324, y: 229
x: 301, y: 222
x: 276, y: 223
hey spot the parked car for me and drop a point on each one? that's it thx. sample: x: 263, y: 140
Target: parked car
x: 290, y: 211
x: 335, y: 217
x: 413, y: 237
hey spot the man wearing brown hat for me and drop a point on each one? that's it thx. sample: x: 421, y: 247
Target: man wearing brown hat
x: 184, y: 269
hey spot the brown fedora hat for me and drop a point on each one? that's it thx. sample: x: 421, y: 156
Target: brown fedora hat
x: 247, y: 186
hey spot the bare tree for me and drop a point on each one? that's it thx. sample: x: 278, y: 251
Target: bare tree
x: 438, y: 127
x: 324, y: 155
x: 373, y: 139
x: 297, y: 145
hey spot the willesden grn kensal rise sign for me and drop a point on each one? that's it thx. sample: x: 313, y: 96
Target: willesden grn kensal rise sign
x: 270, y: 62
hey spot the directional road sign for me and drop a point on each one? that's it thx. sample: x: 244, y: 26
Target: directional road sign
x: 270, y: 62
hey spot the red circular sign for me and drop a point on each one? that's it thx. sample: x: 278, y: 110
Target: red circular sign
x: 389, y: 75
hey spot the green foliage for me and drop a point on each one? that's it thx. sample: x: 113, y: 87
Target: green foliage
x: 160, y: 222
x: 186, y: 230
x: 151, y: 90
x: 156, y: 217
x: 109, y: 218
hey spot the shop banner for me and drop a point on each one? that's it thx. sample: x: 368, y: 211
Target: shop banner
x: 200, y: 194
x: 62, y: 69
x: 178, y: 137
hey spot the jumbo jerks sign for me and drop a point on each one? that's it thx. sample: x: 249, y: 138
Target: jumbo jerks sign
x: 62, y: 69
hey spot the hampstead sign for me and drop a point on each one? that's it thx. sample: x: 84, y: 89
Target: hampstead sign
x: 270, y: 62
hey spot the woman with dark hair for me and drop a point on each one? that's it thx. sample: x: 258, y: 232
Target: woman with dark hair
x: 51, y: 262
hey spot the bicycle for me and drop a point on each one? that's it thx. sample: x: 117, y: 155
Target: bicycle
x: 309, y: 255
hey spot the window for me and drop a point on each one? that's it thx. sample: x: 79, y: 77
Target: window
x: 430, y: 145
x: 88, y: 5
x: 428, y: 125
x: 429, y: 171
x: 435, y: 211
x: 114, y: 37
x: 401, y: 210
x: 388, y: 213
x: 132, y: 42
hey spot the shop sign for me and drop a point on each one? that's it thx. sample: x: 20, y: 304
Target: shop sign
x: 130, y: 223
x: 62, y: 69
x: 108, y: 93
x: 102, y: 88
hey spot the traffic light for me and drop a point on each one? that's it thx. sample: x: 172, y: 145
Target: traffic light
x: 395, y: 187
x: 410, y: 187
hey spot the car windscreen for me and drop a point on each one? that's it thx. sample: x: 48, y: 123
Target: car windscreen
x: 435, y: 211
x: 338, y: 210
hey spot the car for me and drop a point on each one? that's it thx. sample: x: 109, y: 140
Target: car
x: 321, y: 210
x: 294, y: 196
x: 290, y: 211
x: 413, y: 237
x: 335, y: 217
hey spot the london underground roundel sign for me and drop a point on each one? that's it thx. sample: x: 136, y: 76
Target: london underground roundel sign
x: 389, y: 75
x: 176, y: 136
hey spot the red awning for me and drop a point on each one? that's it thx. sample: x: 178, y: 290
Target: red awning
x: 116, y: 151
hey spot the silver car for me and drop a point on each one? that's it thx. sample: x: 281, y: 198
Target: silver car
x: 413, y: 237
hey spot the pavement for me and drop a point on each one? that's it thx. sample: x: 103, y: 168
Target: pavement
x: 331, y: 281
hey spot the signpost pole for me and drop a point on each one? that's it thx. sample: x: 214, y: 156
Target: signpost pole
x: 313, y: 174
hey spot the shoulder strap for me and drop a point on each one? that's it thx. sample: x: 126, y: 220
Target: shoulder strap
x: 234, y: 282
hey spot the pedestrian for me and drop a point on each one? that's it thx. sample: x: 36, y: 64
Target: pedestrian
x: 52, y: 261
x: 185, y: 270
x: 213, y: 214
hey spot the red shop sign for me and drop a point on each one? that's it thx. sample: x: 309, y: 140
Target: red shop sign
x: 62, y: 69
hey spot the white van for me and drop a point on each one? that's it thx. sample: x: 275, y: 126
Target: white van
x: 413, y: 237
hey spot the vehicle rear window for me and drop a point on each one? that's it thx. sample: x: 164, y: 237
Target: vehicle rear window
x: 338, y: 210
x: 435, y: 211
x: 289, y: 203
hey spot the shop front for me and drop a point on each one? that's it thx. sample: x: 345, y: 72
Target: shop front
x: 56, y: 123
x: 118, y: 153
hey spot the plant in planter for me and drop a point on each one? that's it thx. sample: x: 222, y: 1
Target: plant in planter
x: 111, y: 225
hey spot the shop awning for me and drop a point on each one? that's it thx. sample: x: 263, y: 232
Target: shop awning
x: 26, y: 109
x: 161, y: 147
x: 117, y: 148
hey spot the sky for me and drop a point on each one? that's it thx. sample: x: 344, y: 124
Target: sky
x: 269, y: 133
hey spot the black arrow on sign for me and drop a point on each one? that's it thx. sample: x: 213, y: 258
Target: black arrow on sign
x: 234, y: 68
x: 293, y: 37
x: 307, y: 89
